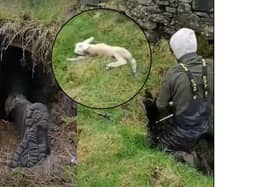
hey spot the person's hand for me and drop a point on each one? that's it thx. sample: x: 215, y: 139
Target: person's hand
x: 148, y: 98
x: 171, y: 106
x: 148, y: 94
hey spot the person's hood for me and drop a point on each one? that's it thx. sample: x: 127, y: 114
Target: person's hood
x: 183, y: 42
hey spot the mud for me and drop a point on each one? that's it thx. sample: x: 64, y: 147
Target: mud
x: 58, y: 169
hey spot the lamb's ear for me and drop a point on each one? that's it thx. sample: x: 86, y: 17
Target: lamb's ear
x: 89, y: 40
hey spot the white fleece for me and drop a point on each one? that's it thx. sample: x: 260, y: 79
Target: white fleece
x: 183, y: 42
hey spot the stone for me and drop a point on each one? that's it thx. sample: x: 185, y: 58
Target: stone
x: 140, y: 12
x: 170, y: 30
x: 187, y: 20
x: 162, y: 2
x: 171, y: 10
x: 154, y: 9
x: 202, y: 14
x: 184, y: 7
x: 90, y: 2
x: 173, y: 3
x: 185, y: 1
x: 164, y: 18
x: 145, y: 2
x: 149, y: 25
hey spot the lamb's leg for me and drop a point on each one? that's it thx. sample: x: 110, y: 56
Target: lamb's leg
x: 120, y: 61
x: 78, y: 58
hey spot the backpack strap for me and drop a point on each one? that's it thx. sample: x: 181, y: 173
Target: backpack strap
x: 193, y: 84
x: 204, y: 77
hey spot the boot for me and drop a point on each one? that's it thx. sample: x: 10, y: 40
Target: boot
x: 32, y: 122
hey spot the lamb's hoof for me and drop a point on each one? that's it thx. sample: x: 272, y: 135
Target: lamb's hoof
x: 107, y: 68
x: 34, y: 145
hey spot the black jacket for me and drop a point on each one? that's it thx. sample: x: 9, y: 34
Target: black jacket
x: 176, y: 86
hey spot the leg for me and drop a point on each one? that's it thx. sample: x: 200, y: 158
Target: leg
x: 32, y: 122
x: 152, y: 115
x: 30, y: 119
x: 120, y: 61
x: 79, y: 58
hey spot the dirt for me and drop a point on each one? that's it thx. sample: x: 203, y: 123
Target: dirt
x: 59, y: 169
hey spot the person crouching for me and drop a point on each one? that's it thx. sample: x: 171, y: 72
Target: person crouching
x: 180, y: 116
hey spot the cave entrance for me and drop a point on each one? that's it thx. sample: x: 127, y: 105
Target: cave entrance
x: 17, y: 66
x: 20, y: 73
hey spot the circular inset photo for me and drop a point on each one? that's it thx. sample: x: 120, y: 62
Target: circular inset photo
x: 101, y: 58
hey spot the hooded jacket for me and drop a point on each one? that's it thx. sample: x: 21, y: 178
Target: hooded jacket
x: 176, y: 87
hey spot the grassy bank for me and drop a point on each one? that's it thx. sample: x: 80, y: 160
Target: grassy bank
x: 116, y: 152
x: 33, y: 25
x: 40, y: 11
x: 110, y: 153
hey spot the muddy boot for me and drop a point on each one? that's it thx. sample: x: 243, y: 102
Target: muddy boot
x: 188, y: 158
x: 32, y: 122
x: 193, y: 160
x: 203, y: 165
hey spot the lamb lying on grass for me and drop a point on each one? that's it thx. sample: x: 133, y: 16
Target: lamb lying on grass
x: 86, y: 49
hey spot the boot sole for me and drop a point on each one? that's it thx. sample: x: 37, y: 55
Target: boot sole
x: 34, y: 145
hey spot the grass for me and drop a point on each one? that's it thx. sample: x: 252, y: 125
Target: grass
x: 88, y: 82
x: 116, y: 152
x: 43, y: 11
x: 33, y: 23
x: 110, y: 153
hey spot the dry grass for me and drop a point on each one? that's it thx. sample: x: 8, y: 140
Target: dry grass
x: 35, y: 37
x: 33, y: 24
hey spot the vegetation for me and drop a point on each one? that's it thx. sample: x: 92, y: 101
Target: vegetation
x: 111, y: 152
x: 32, y: 25
x: 116, y: 152
x: 40, y: 11
x: 87, y: 81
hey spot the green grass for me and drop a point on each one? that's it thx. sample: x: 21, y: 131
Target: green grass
x: 117, y: 153
x: 113, y: 153
x: 43, y: 11
x: 88, y: 82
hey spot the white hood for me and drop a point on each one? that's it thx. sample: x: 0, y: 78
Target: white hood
x: 183, y: 42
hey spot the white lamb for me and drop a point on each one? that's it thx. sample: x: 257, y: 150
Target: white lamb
x: 86, y: 49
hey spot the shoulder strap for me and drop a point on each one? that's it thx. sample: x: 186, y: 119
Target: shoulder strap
x: 204, y: 77
x: 193, y: 84
x: 190, y: 76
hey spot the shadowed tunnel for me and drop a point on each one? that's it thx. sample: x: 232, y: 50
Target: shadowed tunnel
x: 18, y: 74
x: 31, y: 107
x: 24, y: 96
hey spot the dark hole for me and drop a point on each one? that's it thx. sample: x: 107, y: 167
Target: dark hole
x: 18, y: 74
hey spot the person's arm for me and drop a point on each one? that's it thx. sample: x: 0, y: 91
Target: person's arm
x: 165, y: 94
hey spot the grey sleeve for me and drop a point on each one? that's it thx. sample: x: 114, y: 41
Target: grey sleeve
x: 165, y: 93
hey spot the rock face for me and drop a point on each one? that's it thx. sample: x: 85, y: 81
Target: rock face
x: 164, y: 17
